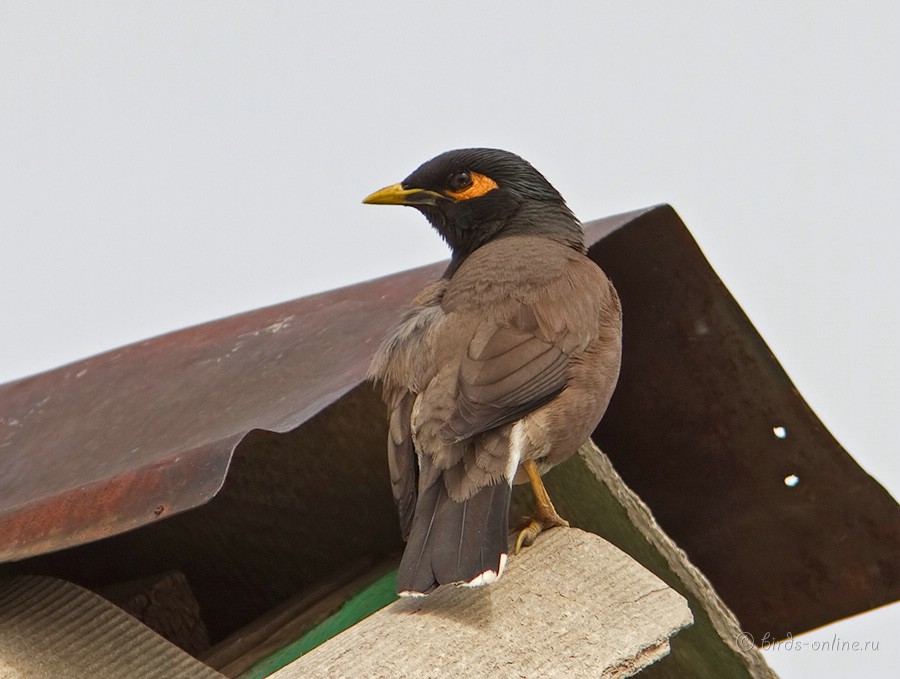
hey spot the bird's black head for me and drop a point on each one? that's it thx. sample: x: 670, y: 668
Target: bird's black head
x: 472, y: 196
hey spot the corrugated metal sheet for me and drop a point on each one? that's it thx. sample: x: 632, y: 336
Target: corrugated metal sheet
x: 51, y: 629
x: 133, y: 436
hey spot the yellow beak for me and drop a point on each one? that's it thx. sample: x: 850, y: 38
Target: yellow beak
x: 395, y: 194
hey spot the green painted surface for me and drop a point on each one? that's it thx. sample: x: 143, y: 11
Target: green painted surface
x: 373, y: 598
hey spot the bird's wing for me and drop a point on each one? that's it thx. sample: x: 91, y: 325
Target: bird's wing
x: 400, y: 363
x: 509, y: 369
x: 402, y: 461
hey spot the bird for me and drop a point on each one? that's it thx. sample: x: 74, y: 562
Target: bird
x: 497, y: 371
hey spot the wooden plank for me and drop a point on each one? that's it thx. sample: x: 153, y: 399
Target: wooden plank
x: 572, y: 604
x: 591, y: 495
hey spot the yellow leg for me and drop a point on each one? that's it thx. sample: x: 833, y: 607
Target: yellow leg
x: 545, y: 515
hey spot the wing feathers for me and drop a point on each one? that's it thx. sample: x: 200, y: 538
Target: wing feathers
x: 509, y: 375
x: 402, y: 462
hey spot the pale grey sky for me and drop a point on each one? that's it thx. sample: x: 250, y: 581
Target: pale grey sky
x: 167, y: 163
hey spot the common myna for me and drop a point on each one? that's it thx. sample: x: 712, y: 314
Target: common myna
x: 498, y: 371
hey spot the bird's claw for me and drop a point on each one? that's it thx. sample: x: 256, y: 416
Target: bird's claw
x: 536, y: 526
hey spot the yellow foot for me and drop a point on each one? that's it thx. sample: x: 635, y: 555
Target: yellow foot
x: 545, y: 516
x: 539, y: 523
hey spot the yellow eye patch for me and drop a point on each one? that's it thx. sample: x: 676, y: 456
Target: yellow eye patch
x: 480, y: 185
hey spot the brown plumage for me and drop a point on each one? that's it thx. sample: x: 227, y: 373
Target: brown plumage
x: 508, y: 360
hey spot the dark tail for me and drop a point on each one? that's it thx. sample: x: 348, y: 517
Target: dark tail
x: 455, y: 542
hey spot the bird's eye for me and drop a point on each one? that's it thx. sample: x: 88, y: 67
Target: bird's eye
x: 460, y: 181
x: 466, y: 185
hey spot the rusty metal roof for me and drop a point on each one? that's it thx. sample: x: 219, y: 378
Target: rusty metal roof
x: 135, y: 435
x: 127, y: 437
